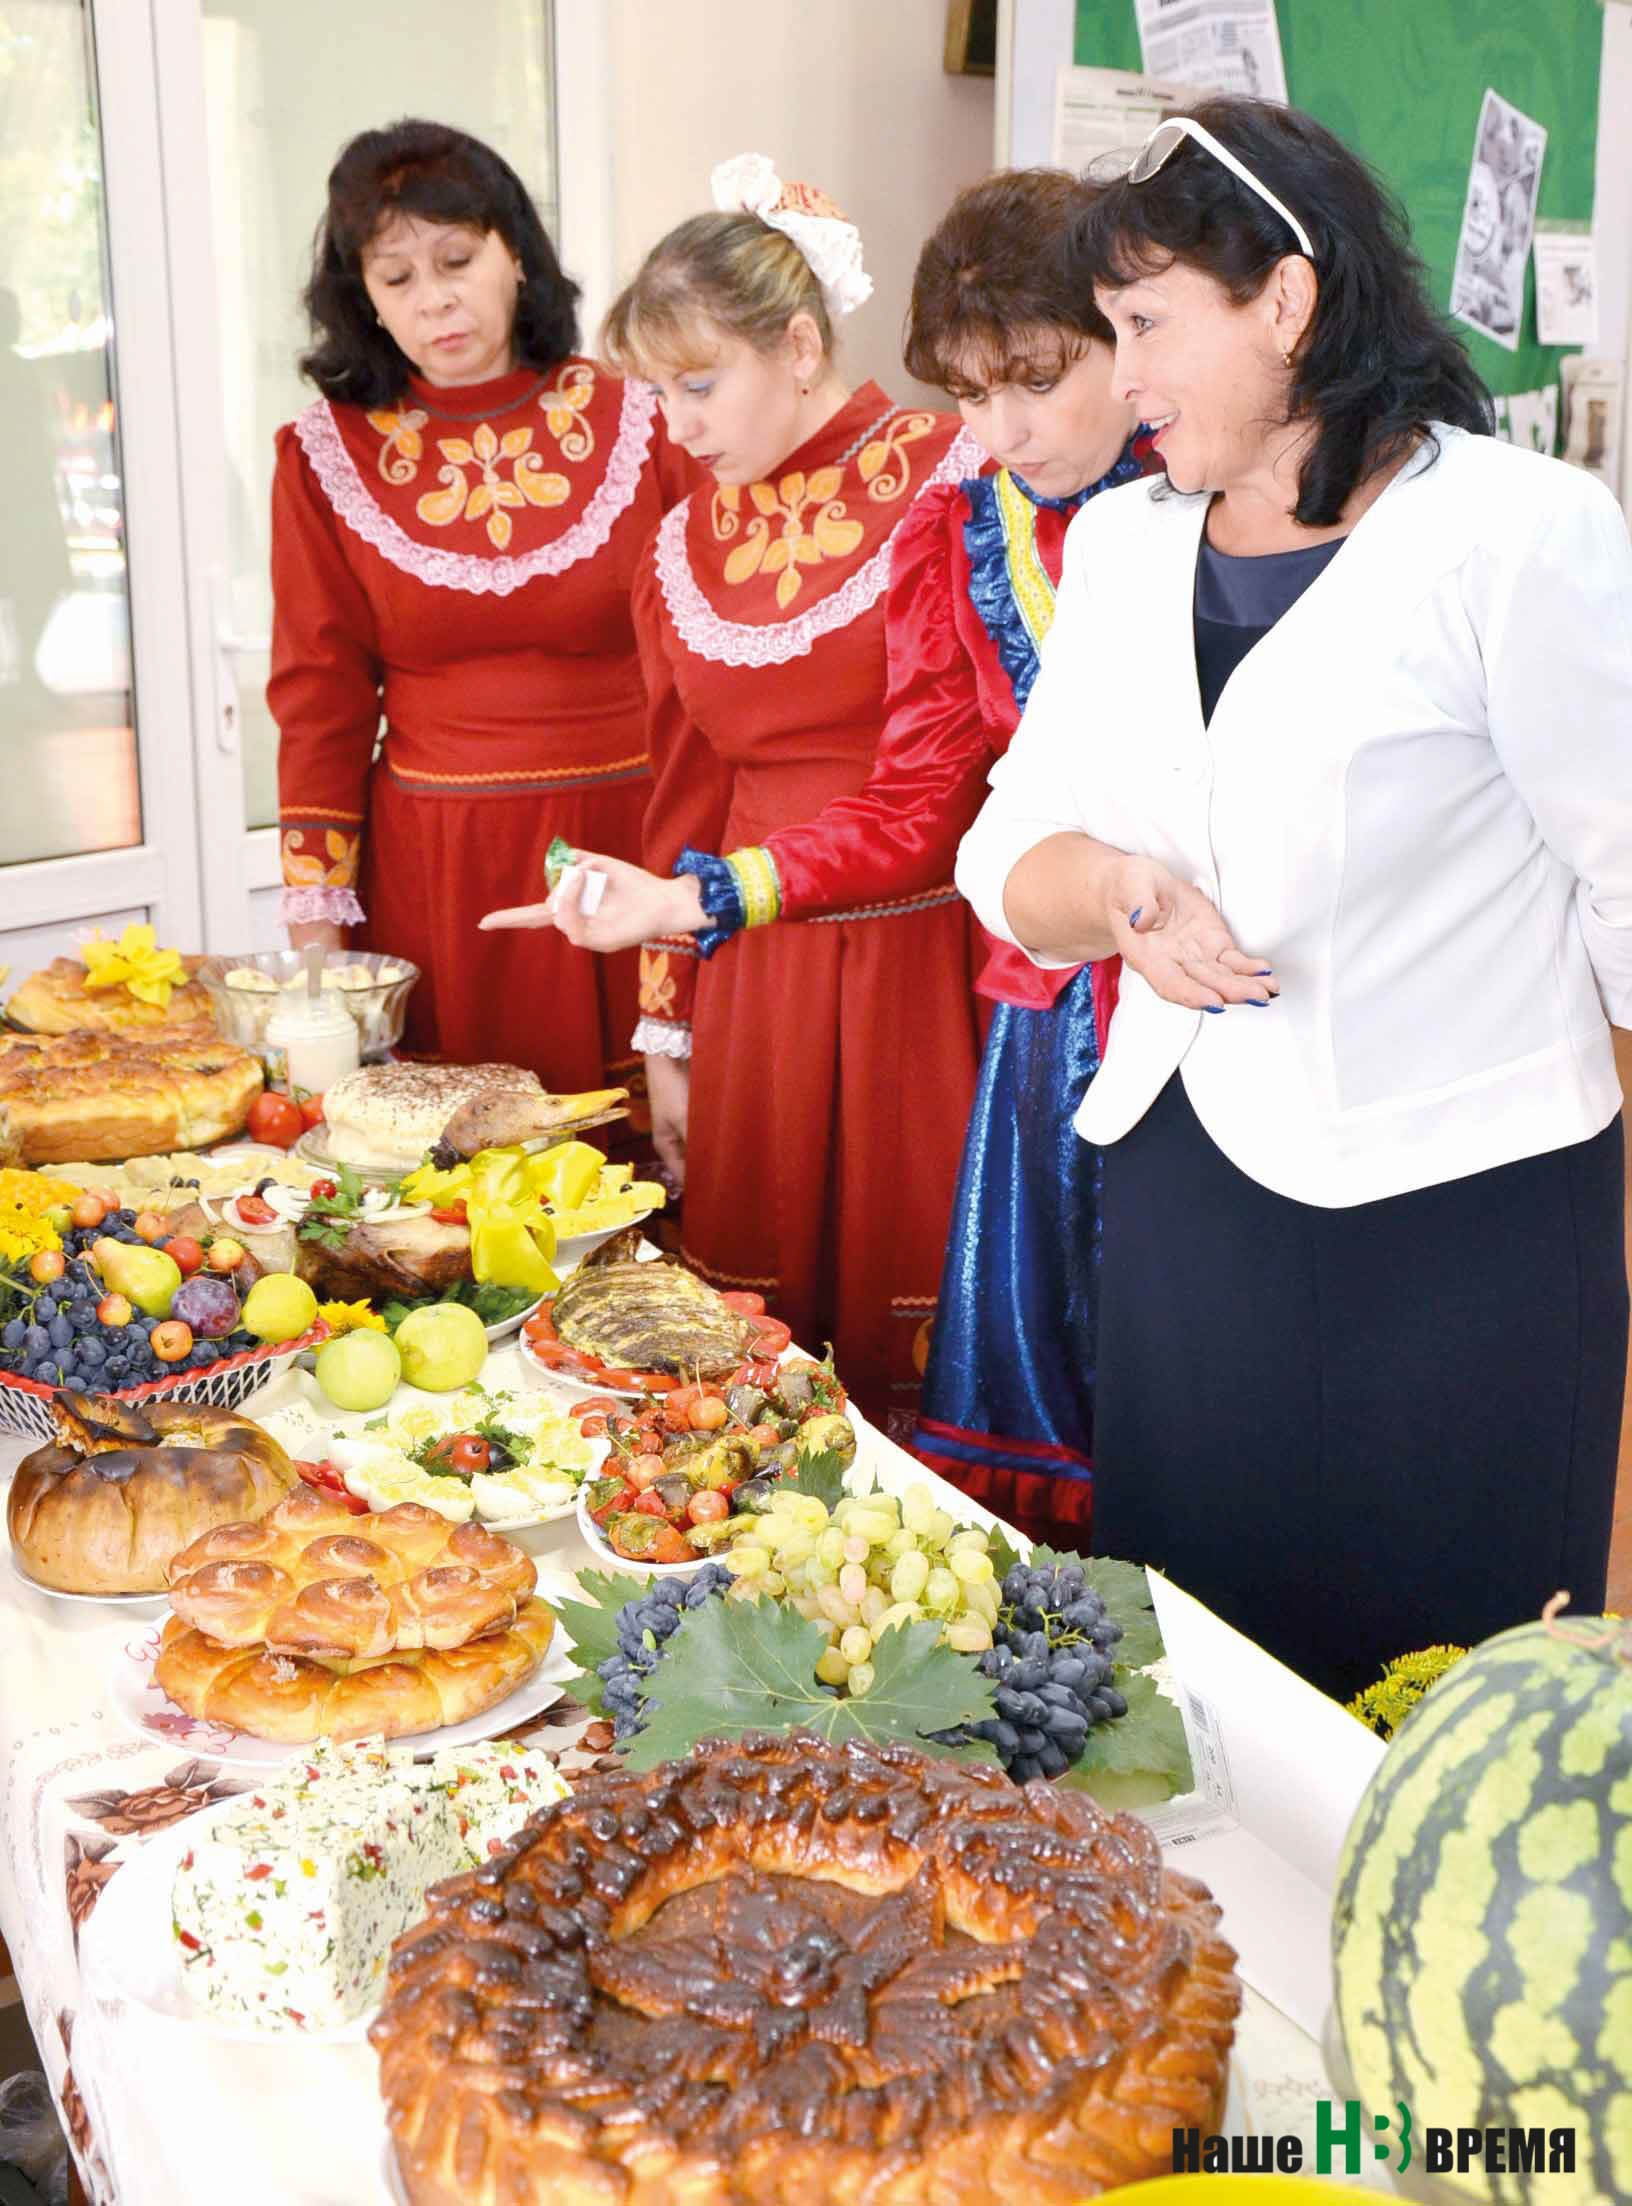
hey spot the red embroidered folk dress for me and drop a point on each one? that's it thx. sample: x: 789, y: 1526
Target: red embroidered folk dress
x: 460, y: 566
x: 834, y: 1060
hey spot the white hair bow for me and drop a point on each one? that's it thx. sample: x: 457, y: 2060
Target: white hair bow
x: 748, y: 184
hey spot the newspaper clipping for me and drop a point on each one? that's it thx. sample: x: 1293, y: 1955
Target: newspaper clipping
x: 1103, y: 116
x: 1219, y: 45
x: 1487, y: 288
x: 1566, y: 284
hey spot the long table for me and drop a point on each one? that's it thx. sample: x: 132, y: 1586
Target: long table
x: 162, y: 2113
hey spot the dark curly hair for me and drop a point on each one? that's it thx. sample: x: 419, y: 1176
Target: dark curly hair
x: 994, y: 275
x: 441, y: 175
x: 1377, y: 363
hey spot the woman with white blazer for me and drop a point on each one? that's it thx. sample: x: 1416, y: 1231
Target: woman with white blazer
x: 1334, y: 728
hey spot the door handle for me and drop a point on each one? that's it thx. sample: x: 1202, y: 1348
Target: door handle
x: 229, y: 645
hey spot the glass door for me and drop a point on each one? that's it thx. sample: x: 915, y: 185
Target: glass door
x: 258, y: 97
x: 96, y: 826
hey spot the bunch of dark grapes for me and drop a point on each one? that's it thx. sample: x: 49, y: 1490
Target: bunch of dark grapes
x: 1051, y: 1662
x: 644, y: 1628
x: 51, y: 1331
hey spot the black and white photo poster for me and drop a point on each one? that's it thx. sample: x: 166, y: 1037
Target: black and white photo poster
x: 1498, y: 220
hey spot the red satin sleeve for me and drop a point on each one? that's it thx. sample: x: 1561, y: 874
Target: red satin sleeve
x: 691, y: 795
x: 899, y: 834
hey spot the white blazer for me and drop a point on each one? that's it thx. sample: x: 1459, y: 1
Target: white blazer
x: 1414, y: 798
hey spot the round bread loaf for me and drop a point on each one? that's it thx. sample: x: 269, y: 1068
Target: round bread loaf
x: 104, y: 1507
x: 291, y: 1698
x: 91, y: 1096
x: 785, y: 1971
x: 56, y: 1000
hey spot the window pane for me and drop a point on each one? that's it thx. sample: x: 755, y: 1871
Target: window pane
x: 288, y: 81
x: 67, y: 735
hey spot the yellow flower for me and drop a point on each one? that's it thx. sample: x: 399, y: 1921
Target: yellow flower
x: 134, y: 962
x: 27, y: 1201
x: 350, y: 1317
x: 1383, y: 1707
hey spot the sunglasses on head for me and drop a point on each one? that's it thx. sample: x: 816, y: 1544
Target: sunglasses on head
x: 1166, y: 139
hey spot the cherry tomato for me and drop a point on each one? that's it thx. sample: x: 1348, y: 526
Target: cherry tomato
x: 771, y: 1336
x: 593, y: 1427
x: 708, y: 1507
x: 710, y: 1414
x: 455, y: 1214
x: 465, y: 1452
x: 321, y: 1190
x: 311, y: 1110
x: 172, y: 1340
x: 89, y: 1210
x: 745, y: 1305
x: 276, y: 1120
x: 185, y: 1253
x: 46, y: 1265
x: 649, y: 1504
x: 255, y: 1210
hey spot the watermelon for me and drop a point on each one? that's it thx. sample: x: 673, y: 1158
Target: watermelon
x: 1482, y: 1927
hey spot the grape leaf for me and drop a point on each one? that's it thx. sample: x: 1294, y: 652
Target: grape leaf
x: 740, y: 1666
x: 820, y: 1474
x: 592, y: 1626
x: 1147, y: 1742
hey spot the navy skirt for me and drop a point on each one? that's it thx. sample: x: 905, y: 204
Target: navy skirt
x: 1357, y: 1432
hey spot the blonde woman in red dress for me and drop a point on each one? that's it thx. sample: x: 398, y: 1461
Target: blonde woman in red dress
x: 813, y: 1087
x: 456, y: 525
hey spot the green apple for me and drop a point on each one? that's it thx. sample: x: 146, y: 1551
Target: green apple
x: 443, y: 1346
x: 279, y: 1307
x: 359, y: 1370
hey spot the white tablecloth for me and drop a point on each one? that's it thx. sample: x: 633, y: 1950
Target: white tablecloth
x: 162, y: 2114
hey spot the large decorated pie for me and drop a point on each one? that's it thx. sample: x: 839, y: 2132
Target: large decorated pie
x: 56, y: 1000
x: 89, y: 1095
x: 780, y: 1971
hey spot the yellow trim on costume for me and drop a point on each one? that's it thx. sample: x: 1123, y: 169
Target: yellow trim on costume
x: 754, y: 871
x: 1028, y: 577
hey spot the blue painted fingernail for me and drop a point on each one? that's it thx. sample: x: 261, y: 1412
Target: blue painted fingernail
x: 1133, y: 916
x: 1265, y: 972
x: 1215, y: 1007
x: 1259, y: 1003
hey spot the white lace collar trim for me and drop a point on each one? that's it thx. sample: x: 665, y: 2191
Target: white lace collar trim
x: 708, y: 635
x: 443, y: 569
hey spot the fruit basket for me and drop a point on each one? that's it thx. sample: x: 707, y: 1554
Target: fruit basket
x: 25, y: 1404
x: 243, y: 1006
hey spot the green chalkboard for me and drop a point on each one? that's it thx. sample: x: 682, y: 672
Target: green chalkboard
x: 1401, y: 81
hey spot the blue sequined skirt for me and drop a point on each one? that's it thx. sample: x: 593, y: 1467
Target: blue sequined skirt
x: 1008, y: 1403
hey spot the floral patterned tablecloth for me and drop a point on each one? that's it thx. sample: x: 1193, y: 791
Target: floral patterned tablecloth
x: 165, y: 2114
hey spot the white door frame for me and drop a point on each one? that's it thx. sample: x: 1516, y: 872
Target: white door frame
x: 158, y: 875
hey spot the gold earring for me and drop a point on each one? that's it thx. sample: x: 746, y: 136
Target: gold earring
x: 1286, y: 357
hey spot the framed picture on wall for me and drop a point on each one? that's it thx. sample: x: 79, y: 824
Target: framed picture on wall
x: 971, y: 38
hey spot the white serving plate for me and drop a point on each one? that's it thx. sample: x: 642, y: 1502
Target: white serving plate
x: 132, y: 1601
x: 127, y: 1948
x: 143, y: 1708
x: 595, y: 1540
x: 569, y: 1388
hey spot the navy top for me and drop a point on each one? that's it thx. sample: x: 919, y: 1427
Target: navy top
x: 1238, y: 600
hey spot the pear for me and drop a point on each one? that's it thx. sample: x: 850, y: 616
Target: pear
x: 143, y: 1275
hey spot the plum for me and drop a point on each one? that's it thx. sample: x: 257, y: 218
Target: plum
x: 208, y: 1304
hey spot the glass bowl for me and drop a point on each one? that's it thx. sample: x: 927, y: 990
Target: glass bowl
x: 247, y: 990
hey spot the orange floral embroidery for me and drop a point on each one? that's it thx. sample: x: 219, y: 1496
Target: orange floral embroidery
x: 657, y: 985
x: 528, y: 482
x: 335, y: 869
x: 403, y: 446
x: 883, y: 465
x: 564, y: 405
x: 813, y: 526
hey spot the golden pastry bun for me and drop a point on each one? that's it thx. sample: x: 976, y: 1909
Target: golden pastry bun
x: 91, y: 1096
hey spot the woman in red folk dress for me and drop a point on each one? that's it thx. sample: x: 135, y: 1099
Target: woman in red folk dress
x: 831, y: 1065
x: 456, y: 524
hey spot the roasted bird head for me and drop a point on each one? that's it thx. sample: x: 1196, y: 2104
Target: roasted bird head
x: 649, y: 1316
x: 502, y: 1118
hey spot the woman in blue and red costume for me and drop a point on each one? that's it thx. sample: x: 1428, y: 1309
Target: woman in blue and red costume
x: 1007, y: 1408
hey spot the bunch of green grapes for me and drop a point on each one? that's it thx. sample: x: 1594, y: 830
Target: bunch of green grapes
x: 866, y: 1566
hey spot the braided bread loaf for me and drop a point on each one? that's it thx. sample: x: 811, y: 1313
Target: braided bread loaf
x: 287, y: 1698
x: 311, y: 1579
x: 784, y: 1971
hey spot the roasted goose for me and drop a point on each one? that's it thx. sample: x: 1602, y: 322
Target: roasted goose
x: 395, y: 1262
x: 648, y: 1317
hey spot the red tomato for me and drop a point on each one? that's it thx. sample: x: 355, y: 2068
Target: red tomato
x: 464, y: 1452
x: 754, y: 1373
x: 551, y: 1354
x: 649, y: 1504
x: 311, y: 1110
x: 274, y: 1119
x: 771, y: 1336
x: 745, y: 1305
x: 593, y: 1427
x: 328, y: 1480
x: 255, y: 1210
x: 186, y: 1253
x: 708, y: 1507
x: 455, y: 1214
x: 320, y: 1191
